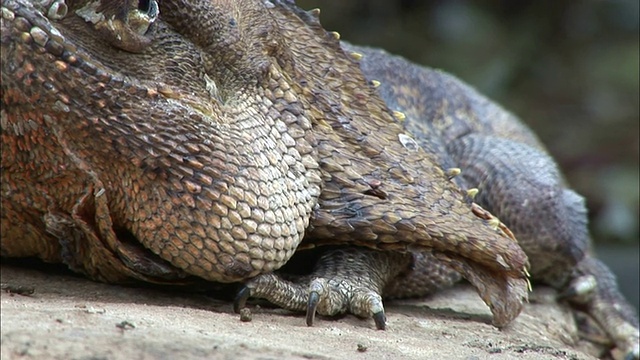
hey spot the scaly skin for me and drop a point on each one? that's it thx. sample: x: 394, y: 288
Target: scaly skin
x: 207, y: 138
x: 218, y: 138
x: 517, y: 181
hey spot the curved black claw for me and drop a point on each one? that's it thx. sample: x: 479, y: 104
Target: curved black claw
x: 312, y: 306
x: 380, y: 319
x: 241, y: 299
x: 345, y: 281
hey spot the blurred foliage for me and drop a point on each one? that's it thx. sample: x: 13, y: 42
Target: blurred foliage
x: 570, y: 69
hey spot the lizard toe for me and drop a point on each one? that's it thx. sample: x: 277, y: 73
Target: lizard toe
x: 241, y: 298
x: 343, y: 281
x: 289, y: 295
x: 312, y: 307
x: 340, y: 295
x: 380, y: 319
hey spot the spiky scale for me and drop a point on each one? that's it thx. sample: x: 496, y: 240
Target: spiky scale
x: 453, y: 172
x: 399, y: 115
x: 356, y: 56
x: 472, y: 192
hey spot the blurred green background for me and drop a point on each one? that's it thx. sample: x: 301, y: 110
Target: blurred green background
x: 569, y: 69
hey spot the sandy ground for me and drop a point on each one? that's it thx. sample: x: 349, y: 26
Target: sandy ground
x: 68, y: 317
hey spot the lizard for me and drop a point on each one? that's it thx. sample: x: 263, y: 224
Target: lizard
x: 136, y: 145
x: 168, y: 150
x: 517, y: 181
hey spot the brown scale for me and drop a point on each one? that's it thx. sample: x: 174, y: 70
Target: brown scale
x: 149, y: 148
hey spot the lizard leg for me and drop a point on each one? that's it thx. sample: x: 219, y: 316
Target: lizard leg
x: 605, y: 304
x: 523, y: 187
x: 518, y: 181
x: 344, y: 280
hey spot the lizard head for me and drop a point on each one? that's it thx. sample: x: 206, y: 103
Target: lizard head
x: 209, y: 49
x: 173, y: 110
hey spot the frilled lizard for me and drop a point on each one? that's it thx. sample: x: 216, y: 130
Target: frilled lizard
x: 179, y: 139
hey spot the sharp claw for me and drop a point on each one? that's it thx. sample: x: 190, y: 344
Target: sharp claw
x: 312, y: 305
x: 579, y: 290
x: 241, y: 299
x: 380, y: 319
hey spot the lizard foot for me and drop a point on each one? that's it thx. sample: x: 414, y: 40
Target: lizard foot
x: 348, y: 280
x: 593, y: 291
x: 337, y: 296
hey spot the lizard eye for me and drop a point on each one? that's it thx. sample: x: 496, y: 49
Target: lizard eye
x: 141, y: 19
x: 126, y: 28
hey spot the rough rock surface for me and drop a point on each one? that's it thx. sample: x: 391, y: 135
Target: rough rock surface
x: 68, y: 317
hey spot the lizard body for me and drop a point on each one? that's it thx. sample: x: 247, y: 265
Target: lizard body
x: 517, y: 180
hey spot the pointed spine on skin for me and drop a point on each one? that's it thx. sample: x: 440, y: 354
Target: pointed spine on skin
x: 453, y: 172
x: 526, y: 273
x: 472, y: 192
x: 315, y: 12
x: 375, y: 83
x: 399, y: 115
x: 356, y: 56
x: 494, y: 223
